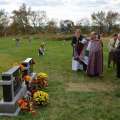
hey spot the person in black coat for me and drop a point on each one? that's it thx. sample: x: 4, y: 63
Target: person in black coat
x: 117, y: 60
x: 76, y: 43
x: 78, y: 46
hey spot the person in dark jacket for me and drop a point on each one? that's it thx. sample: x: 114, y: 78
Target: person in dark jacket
x: 117, y: 59
x: 78, y: 43
x: 111, y: 46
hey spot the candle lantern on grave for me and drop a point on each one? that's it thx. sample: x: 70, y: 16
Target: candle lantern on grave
x: 28, y: 66
x: 28, y: 75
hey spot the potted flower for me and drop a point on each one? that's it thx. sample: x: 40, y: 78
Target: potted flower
x: 42, y: 80
x: 27, y: 78
x: 40, y: 98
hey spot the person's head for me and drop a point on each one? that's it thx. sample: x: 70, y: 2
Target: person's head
x: 93, y: 35
x: 115, y: 36
x: 77, y: 32
x: 119, y: 36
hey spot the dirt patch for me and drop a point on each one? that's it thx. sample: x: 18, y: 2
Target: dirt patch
x: 90, y: 87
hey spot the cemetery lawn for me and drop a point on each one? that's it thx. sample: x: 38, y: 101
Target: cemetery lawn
x: 73, y: 95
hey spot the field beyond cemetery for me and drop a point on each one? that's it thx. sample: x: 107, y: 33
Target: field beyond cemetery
x: 73, y: 95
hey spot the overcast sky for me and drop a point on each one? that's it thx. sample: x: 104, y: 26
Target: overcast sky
x: 64, y: 9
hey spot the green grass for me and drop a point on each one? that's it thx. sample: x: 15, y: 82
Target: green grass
x: 64, y: 104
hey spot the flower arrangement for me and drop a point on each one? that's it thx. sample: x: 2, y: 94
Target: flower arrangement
x: 27, y: 78
x: 42, y: 79
x: 34, y: 97
x: 40, y: 97
x: 22, y: 67
x: 26, y: 105
x: 42, y: 75
x: 23, y: 104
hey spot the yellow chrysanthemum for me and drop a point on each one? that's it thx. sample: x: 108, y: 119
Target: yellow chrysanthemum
x: 42, y: 75
x: 40, y: 97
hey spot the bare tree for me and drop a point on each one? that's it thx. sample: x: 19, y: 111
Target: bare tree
x: 38, y: 19
x: 83, y: 22
x: 99, y: 20
x: 111, y: 20
x: 84, y: 25
x: 52, y: 26
x: 4, y: 21
x: 66, y: 25
x: 21, y: 19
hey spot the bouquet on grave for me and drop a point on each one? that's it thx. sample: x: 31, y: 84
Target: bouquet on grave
x: 41, y: 80
x: 27, y: 78
x: 23, y: 104
x: 40, y: 98
x: 22, y: 67
x: 42, y: 75
x: 26, y: 106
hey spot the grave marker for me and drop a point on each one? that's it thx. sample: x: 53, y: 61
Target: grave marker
x: 14, y: 87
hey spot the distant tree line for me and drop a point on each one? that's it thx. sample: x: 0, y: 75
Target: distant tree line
x: 27, y: 21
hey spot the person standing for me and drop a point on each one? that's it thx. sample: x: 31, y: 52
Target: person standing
x: 111, y: 46
x: 95, y: 59
x: 117, y: 41
x: 117, y: 56
x: 117, y: 60
x: 78, y: 45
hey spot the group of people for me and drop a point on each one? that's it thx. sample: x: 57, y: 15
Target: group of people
x: 88, y: 53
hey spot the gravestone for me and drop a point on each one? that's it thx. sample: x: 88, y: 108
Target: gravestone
x: 13, y: 90
x: 17, y: 42
x: 14, y: 87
